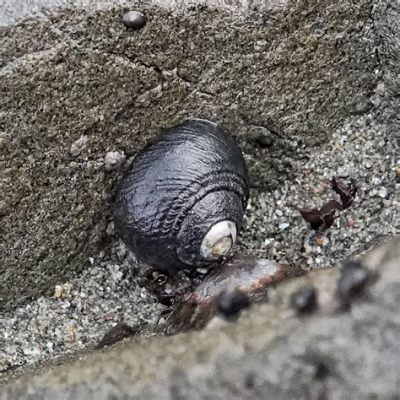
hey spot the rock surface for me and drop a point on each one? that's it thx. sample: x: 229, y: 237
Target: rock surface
x: 80, y: 94
x: 297, y: 69
x: 268, y: 353
x: 387, y: 27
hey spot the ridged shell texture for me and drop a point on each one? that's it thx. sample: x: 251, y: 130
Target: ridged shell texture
x: 187, y: 179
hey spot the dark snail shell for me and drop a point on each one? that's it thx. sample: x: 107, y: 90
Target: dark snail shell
x: 182, y: 201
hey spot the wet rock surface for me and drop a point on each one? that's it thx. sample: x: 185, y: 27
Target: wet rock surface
x: 310, y: 93
x: 329, y: 353
x: 73, y: 74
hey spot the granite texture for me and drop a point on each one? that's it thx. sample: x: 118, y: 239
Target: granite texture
x: 74, y: 76
x: 81, y: 95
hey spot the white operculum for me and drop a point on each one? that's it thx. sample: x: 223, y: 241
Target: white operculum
x: 218, y: 240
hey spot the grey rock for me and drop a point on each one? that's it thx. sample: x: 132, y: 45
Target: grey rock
x: 268, y: 353
x: 322, y: 82
x: 71, y: 72
x: 262, y: 136
x: 384, y: 96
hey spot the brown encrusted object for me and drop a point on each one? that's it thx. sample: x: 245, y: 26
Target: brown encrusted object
x: 248, y: 275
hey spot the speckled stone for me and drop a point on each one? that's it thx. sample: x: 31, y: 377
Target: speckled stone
x: 134, y: 20
x: 336, y: 355
x: 327, y: 95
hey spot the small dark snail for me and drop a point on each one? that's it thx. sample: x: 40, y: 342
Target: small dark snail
x: 182, y: 201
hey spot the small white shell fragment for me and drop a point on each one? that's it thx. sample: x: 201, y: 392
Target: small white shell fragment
x: 268, y: 241
x: 58, y: 291
x: 382, y: 192
x: 113, y: 158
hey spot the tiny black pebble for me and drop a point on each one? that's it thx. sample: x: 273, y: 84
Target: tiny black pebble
x: 352, y: 281
x: 231, y: 303
x: 134, y: 20
x: 304, y: 300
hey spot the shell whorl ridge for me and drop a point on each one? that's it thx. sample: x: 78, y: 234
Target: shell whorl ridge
x: 188, y: 179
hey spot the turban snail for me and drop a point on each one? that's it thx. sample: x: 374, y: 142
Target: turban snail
x: 181, y: 202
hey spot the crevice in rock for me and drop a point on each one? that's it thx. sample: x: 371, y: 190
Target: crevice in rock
x: 133, y: 59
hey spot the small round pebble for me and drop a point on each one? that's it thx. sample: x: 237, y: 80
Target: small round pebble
x: 304, y: 300
x: 134, y: 20
x: 350, y: 221
x: 58, y: 291
x: 284, y: 226
x: 320, y: 240
x: 382, y: 192
x: 231, y: 303
x: 113, y: 158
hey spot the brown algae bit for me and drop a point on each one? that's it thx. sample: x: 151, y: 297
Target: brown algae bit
x: 324, y: 217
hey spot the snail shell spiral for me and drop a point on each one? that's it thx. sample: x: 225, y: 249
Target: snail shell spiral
x: 182, y: 201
